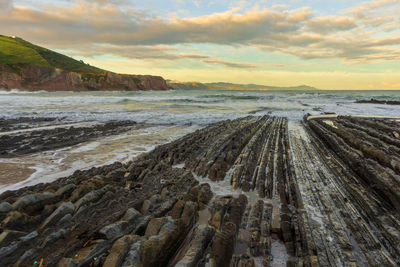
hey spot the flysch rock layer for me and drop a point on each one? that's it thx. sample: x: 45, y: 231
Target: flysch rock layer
x: 318, y: 193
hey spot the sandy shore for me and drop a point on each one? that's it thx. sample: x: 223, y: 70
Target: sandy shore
x: 12, y: 173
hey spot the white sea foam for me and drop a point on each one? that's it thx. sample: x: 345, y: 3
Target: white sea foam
x: 189, y: 107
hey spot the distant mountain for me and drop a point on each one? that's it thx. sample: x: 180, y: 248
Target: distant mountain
x: 231, y: 86
x: 187, y: 85
x: 26, y: 66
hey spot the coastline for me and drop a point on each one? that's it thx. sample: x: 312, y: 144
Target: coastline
x: 247, y: 183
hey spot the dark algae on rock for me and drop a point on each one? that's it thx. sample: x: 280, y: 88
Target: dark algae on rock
x: 255, y: 191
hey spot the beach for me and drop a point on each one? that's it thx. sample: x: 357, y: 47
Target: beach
x: 200, y: 179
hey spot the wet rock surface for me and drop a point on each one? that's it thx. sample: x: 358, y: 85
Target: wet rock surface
x: 376, y: 101
x: 256, y: 191
x: 12, y: 124
x: 56, y: 136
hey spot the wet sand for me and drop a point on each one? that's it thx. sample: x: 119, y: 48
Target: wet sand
x: 12, y: 173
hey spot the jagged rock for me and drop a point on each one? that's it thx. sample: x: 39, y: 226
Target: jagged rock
x: 66, y: 262
x: 64, y: 209
x: 177, y: 209
x: 201, y: 238
x: 36, y: 201
x: 52, y: 238
x: 114, y: 230
x: 146, y: 206
x: 5, y: 207
x: 117, y: 174
x: 91, y: 197
x: 24, y: 259
x: 119, y: 250
x: 14, y: 246
x: 29, y: 236
x: 157, y: 250
x: 222, y: 246
x: 155, y: 224
x: 316, y: 195
x: 66, y: 218
x: 204, y: 196
x: 8, y: 236
x: 86, y: 255
x: 66, y: 190
x: 6, y: 251
x: 131, y: 215
x: 17, y: 220
x: 133, y: 256
x: 189, y: 214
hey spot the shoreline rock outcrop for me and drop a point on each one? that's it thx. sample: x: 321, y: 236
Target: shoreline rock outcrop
x: 255, y: 191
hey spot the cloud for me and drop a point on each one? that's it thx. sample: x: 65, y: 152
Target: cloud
x: 120, y: 30
x: 331, y: 24
x: 230, y: 64
x: 5, y: 5
x: 138, y: 52
x: 109, y: 24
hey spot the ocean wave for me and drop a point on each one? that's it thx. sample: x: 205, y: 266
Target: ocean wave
x: 18, y: 91
x: 234, y: 97
x: 185, y: 107
x: 195, y: 101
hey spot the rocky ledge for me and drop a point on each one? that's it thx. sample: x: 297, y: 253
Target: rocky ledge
x: 51, y: 134
x: 30, y: 77
x: 249, y: 192
x: 375, y: 101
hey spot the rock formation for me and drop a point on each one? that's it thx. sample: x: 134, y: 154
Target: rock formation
x: 256, y: 191
x: 57, y: 135
x: 35, y: 78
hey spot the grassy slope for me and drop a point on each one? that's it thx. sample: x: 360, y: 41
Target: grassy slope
x: 15, y: 51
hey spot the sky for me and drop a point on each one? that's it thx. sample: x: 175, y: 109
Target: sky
x: 326, y: 44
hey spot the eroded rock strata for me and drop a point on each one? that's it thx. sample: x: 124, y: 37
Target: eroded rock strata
x: 248, y: 192
x: 52, y: 134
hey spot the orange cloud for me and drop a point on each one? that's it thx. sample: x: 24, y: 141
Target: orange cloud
x: 231, y: 64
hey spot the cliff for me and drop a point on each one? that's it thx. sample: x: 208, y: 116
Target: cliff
x: 26, y: 66
x: 35, y: 77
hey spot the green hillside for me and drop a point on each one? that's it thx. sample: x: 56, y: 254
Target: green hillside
x: 16, y: 51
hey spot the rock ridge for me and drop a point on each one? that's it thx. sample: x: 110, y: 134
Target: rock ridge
x: 255, y: 191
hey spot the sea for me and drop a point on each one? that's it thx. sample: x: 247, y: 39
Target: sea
x: 167, y: 115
